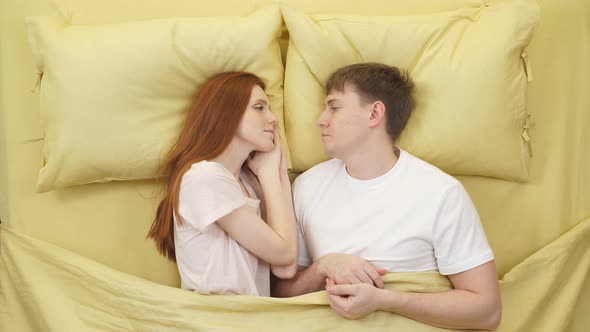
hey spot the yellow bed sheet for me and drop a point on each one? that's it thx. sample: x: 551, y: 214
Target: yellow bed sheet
x: 47, y: 288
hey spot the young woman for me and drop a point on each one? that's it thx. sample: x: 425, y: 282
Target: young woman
x: 226, y: 167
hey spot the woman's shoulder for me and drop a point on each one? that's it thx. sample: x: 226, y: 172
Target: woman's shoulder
x: 207, y: 171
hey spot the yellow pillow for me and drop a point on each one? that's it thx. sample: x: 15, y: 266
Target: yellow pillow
x: 113, y: 96
x: 468, y: 65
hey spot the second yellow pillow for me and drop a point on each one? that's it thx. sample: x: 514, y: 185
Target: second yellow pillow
x: 469, y: 70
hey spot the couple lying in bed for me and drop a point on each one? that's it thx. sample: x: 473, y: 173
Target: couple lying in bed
x: 230, y: 219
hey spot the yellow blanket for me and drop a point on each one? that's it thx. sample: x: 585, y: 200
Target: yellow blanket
x: 47, y: 288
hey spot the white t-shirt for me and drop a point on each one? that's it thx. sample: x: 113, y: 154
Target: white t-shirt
x: 413, y: 218
x: 209, y: 260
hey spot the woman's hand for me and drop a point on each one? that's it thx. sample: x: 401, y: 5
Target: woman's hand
x: 350, y: 269
x: 284, y: 165
x: 264, y: 162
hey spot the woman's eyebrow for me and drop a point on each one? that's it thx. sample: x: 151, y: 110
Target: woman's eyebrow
x: 260, y: 101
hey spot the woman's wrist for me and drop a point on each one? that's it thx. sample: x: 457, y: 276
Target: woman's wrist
x: 270, y: 182
x: 285, y: 181
x: 268, y: 174
x: 320, y: 267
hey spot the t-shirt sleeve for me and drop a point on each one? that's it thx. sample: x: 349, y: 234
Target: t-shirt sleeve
x: 303, y: 257
x: 207, y: 194
x: 459, y: 240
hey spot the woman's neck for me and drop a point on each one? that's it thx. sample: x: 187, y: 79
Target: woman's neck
x: 233, y: 157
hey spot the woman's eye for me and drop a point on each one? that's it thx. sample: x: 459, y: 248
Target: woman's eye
x: 334, y: 109
x: 259, y: 107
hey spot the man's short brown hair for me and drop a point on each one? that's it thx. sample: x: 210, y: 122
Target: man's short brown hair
x: 375, y: 81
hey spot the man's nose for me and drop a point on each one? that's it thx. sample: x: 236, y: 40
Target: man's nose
x: 323, y: 120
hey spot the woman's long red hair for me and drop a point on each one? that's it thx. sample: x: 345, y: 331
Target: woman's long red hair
x: 210, y: 126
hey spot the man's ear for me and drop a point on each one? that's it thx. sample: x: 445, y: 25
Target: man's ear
x: 377, y: 114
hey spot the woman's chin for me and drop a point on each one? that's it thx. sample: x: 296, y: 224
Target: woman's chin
x: 266, y: 147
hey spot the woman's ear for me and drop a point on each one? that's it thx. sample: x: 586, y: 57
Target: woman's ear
x: 377, y: 114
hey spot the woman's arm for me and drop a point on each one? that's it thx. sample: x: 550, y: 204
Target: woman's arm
x: 347, y: 269
x: 276, y: 240
x: 273, y: 242
x: 306, y: 280
x: 287, y: 271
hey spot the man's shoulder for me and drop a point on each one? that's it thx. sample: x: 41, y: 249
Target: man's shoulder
x: 428, y: 174
x: 318, y: 172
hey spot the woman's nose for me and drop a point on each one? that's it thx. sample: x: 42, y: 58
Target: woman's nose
x: 272, y: 118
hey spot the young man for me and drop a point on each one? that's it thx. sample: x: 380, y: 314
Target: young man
x: 376, y: 208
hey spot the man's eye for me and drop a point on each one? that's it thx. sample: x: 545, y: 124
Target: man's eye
x: 334, y: 109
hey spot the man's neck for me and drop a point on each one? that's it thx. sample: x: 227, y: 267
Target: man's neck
x: 372, y: 161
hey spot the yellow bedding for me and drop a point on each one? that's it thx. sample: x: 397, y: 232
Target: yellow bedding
x: 47, y: 288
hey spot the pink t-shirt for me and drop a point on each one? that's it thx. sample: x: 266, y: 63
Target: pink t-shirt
x: 208, y: 259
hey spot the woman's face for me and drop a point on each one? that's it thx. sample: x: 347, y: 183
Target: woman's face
x: 258, y: 124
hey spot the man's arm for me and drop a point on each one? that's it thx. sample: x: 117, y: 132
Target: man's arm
x: 474, y: 303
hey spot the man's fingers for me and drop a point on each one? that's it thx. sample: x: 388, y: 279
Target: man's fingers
x: 329, y: 296
x: 336, y: 301
x: 335, y: 304
x: 341, y: 290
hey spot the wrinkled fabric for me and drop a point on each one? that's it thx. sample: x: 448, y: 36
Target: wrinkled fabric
x: 48, y: 288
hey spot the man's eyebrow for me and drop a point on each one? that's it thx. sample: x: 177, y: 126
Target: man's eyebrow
x: 331, y: 100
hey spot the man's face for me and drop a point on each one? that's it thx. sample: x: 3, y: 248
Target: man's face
x: 344, y: 123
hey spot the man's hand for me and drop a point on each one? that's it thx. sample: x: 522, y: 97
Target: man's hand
x: 349, y: 269
x: 351, y: 301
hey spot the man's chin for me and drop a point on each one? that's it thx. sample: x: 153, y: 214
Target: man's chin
x: 329, y: 152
